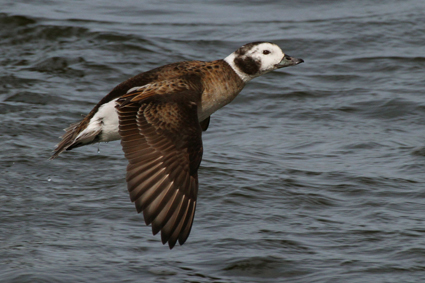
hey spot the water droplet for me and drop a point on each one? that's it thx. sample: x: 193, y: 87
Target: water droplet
x: 49, y: 179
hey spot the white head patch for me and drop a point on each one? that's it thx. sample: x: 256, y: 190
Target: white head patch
x: 255, y: 59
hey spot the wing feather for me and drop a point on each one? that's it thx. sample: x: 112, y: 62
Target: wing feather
x: 161, y: 138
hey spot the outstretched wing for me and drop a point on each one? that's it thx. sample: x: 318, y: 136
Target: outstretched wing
x: 161, y: 138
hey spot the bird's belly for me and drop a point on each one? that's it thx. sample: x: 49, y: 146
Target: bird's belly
x: 103, y: 127
x: 109, y: 122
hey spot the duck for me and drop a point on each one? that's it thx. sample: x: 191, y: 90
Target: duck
x: 159, y: 116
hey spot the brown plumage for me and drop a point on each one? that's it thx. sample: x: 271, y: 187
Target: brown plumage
x: 212, y: 70
x: 159, y: 116
x: 161, y: 138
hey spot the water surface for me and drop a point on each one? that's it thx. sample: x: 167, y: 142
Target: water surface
x: 313, y: 174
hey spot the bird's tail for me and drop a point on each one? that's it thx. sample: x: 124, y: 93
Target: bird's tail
x: 75, y: 136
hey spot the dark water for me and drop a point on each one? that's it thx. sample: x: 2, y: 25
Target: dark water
x: 313, y: 174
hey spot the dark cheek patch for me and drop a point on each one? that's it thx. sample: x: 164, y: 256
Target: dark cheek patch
x: 247, y: 65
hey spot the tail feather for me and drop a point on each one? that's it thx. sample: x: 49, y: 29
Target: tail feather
x: 74, y: 137
x: 67, y: 139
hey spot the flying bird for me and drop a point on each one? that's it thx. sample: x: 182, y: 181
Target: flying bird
x: 159, y: 115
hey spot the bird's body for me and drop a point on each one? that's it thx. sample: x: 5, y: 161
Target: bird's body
x: 159, y: 116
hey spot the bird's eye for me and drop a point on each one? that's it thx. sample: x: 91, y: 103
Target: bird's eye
x: 265, y: 52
